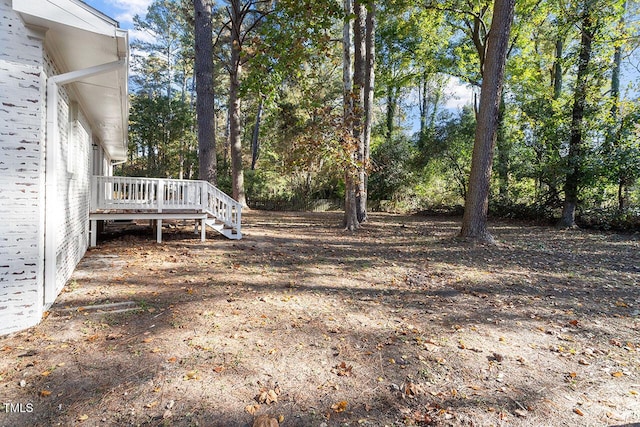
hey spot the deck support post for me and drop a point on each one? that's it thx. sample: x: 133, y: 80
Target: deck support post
x: 94, y: 233
x: 203, y: 230
x: 159, y: 230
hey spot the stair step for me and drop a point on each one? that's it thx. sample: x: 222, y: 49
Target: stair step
x: 225, y: 230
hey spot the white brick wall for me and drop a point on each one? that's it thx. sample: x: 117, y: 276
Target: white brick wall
x: 21, y: 173
x: 73, y: 178
x: 73, y: 194
x: 24, y: 67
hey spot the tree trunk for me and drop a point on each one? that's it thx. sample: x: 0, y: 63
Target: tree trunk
x: 424, y: 106
x: 613, y: 135
x: 359, y: 89
x: 557, y: 68
x: 255, y: 139
x: 474, y: 222
x: 205, y: 92
x: 574, y: 159
x: 392, y: 103
x: 369, y: 85
x: 503, y: 154
x: 350, y: 220
x: 235, y: 140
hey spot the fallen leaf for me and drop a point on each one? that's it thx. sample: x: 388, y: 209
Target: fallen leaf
x: 252, y: 409
x: 218, y: 369
x: 411, y: 389
x: 578, y: 411
x: 268, y: 396
x: 265, y: 421
x: 172, y: 359
x: 419, y: 418
x: 496, y: 357
x: 342, y: 370
x: 521, y: 413
x: 617, y: 374
x: 192, y: 375
x: 83, y: 417
x: 151, y: 405
x: 45, y: 393
x: 339, y: 406
x: 272, y: 397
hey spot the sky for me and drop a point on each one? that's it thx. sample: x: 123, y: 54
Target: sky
x: 122, y: 11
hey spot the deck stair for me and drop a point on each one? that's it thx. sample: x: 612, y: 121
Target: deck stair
x: 116, y: 197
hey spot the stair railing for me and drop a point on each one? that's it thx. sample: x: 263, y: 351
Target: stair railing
x: 222, y: 206
x: 136, y: 193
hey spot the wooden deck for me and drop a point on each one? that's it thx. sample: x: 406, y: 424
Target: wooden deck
x: 128, y: 198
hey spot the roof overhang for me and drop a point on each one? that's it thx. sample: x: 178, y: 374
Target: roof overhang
x: 80, y: 37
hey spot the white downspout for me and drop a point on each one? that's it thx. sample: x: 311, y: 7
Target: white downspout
x: 52, y: 208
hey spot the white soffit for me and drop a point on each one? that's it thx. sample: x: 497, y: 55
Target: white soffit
x: 80, y: 37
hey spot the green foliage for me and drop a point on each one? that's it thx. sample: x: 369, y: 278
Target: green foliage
x: 161, y: 138
x: 448, y: 154
x: 393, y: 175
x: 291, y: 57
x: 165, y: 64
x: 291, y: 41
x: 609, y: 219
x: 303, y: 146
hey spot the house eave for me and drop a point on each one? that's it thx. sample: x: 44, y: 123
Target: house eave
x: 79, y: 37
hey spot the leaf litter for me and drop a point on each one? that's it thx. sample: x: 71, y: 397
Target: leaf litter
x: 539, y: 330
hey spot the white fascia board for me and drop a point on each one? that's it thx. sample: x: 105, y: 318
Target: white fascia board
x: 71, y: 13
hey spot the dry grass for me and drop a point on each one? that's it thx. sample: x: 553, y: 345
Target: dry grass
x: 398, y: 324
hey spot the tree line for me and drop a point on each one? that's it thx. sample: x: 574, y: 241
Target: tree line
x: 328, y: 99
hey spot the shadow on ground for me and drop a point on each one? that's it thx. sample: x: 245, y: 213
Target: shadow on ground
x: 400, y: 323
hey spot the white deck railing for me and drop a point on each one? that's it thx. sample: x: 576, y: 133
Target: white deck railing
x: 117, y: 193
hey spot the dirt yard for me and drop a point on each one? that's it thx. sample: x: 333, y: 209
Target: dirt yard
x: 305, y: 325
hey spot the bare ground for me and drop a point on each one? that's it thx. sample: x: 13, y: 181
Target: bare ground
x: 398, y: 324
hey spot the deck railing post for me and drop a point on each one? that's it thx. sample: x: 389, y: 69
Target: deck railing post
x: 94, y: 193
x: 160, y: 195
x: 238, y: 218
x: 204, y: 195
